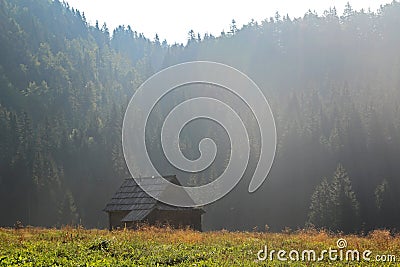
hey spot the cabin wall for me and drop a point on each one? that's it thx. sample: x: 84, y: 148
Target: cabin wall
x: 173, y: 218
x: 115, y: 218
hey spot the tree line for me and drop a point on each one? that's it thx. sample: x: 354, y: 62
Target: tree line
x: 332, y: 82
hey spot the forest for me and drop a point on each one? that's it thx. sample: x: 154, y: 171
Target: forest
x: 332, y: 80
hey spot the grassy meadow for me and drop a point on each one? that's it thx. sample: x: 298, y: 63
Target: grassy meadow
x: 151, y: 246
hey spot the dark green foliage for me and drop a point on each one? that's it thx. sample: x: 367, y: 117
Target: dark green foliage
x: 321, y: 206
x: 332, y: 82
x: 387, y: 205
x: 61, y: 81
x: 334, y: 204
x: 345, y: 203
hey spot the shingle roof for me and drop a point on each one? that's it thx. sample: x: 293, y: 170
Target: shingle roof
x: 136, y: 215
x: 130, y: 197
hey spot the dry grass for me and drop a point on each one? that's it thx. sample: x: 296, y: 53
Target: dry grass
x: 149, y: 246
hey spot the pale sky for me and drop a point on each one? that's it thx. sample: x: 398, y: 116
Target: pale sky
x: 172, y: 19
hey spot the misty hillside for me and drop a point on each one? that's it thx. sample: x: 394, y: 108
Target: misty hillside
x: 332, y: 80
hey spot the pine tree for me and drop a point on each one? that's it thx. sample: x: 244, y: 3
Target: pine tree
x: 334, y: 205
x: 348, y: 11
x: 345, y: 204
x: 191, y: 36
x: 387, y: 206
x: 320, y: 214
x: 233, y: 27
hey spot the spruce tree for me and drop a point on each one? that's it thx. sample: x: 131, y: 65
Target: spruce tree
x: 334, y: 205
x: 320, y: 215
x: 345, y: 204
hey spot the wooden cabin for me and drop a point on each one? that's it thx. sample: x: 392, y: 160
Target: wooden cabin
x: 131, y: 206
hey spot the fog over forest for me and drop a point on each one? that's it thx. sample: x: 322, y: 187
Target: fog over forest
x: 332, y: 80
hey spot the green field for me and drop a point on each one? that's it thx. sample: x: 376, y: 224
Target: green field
x: 166, y: 247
